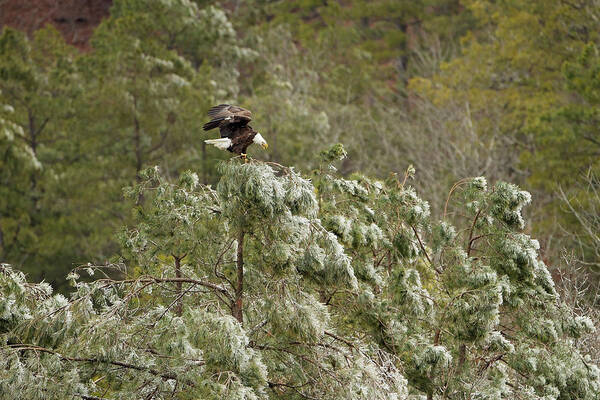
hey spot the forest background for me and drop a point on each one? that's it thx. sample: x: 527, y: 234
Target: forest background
x: 508, y: 90
x: 101, y: 105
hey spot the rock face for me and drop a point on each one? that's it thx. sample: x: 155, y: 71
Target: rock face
x: 76, y: 19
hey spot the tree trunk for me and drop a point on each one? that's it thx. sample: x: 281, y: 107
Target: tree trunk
x: 137, y: 150
x: 462, y: 355
x: 2, y: 259
x: 204, y: 165
x: 237, y: 308
x: 179, y: 305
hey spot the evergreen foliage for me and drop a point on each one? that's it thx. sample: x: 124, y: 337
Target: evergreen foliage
x: 252, y: 281
x: 388, y: 76
x: 93, y: 122
x: 36, y: 89
x: 272, y: 285
x: 526, y: 76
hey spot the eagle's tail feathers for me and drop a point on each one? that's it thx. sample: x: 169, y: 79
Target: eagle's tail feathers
x: 222, y: 143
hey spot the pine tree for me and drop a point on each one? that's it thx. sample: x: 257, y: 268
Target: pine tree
x: 518, y: 78
x: 37, y: 92
x: 94, y: 121
x: 272, y: 285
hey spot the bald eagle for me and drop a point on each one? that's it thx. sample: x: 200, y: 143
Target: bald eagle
x: 236, y: 134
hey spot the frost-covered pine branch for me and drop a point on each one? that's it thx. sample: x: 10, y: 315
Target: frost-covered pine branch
x: 273, y: 285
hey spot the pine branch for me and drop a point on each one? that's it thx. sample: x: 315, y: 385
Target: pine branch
x: 151, y: 280
x: 94, y: 360
x: 341, y: 339
x: 219, y: 274
x: 454, y: 187
x: 471, y: 231
x: 424, y: 250
x: 293, y: 387
x: 84, y: 397
x: 316, y: 364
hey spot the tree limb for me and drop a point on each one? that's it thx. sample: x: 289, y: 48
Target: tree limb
x: 93, y: 360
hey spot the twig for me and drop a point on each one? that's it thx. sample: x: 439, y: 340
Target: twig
x: 471, y: 231
x: 84, y: 397
x: 341, y: 339
x: 425, y: 251
x: 454, y: 187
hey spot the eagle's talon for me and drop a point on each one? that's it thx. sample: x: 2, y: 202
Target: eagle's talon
x: 244, y: 157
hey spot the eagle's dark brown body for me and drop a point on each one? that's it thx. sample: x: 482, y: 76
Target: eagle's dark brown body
x: 241, y: 138
x: 232, y: 122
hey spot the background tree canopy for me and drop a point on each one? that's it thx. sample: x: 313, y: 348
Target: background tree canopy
x: 353, y: 287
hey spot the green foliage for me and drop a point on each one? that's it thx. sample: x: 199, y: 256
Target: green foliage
x: 76, y: 128
x: 335, y: 153
x: 314, y: 73
x: 527, y: 74
x: 36, y: 96
x: 134, y: 100
x: 568, y: 132
x: 332, y: 309
x: 275, y: 284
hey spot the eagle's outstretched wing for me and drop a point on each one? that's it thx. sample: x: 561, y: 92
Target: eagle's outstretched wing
x: 224, y: 116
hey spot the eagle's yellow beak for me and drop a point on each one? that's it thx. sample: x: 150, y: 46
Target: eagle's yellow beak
x: 265, y: 146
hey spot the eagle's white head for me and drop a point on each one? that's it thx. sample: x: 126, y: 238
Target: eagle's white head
x: 258, y: 139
